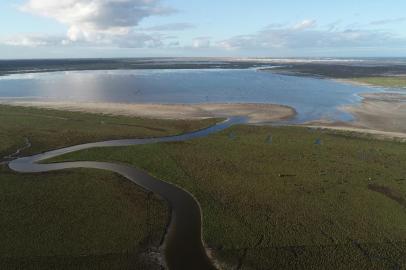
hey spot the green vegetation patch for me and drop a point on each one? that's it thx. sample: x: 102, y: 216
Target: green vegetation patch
x: 395, y: 82
x: 50, y: 129
x: 76, y: 219
x: 287, y: 197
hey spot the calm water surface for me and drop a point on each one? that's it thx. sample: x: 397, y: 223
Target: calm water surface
x: 312, y: 98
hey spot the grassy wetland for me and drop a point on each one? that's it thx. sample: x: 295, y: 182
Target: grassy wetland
x: 387, y: 75
x: 385, y: 81
x: 271, y: 197
x: 287, y: 197
x: 49, y: 129
x: 77, y: 219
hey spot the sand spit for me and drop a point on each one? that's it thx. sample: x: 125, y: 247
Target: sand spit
x: 381, y: 111
x: 382, y: 115
x: 379, y: 114
x: 256, y: 113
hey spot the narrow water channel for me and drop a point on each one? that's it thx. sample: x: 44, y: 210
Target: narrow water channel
x: 183, y: 245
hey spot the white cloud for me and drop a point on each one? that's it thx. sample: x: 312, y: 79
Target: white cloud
x: 130, y: 40
x: 389, y: 21
x: 31, y: 40
x: 97, y: 20
x: 170, y: 27
x: 305, y: 34
x: 140, y: 40
x: 305, y: 24
x: 201, y: 42
x: 114, y: 23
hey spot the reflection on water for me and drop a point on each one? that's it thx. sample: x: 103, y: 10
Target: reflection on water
x: 312, y: 98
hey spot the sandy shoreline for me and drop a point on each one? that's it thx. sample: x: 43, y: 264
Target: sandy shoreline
x: 379, y: 114
x: 381, y: 111
x: 256, y: 113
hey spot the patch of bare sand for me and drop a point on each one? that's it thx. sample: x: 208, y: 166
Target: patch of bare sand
x: 379, y: 114
x: 256, y: 113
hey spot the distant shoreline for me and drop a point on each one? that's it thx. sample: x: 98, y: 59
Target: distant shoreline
x: 328, y: 67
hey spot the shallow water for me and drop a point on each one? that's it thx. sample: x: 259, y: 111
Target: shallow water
x: 312, y: 98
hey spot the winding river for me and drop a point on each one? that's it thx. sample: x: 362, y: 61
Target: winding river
x: 183, y: 245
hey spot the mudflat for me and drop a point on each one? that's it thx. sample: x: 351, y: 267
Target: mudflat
x: 381, y: 111
x: 379, y: 114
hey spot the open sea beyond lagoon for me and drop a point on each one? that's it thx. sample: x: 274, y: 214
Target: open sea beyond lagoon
x: 313, y: 98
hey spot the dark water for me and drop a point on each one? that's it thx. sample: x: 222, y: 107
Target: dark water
x: 312, y: 98
x: 184, y: 249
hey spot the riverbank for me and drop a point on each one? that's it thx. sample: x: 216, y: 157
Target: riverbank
x: 78, y: 219
x: 256, y: 113
x: 48, y: 129
x: 285, y: 197
x: 183, y: 246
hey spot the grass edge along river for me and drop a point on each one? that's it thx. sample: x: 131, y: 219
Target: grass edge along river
x: 286, y: 197
x: 78, y: 219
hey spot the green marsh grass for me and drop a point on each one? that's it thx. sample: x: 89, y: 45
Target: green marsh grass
x: 290, y: 203
x: 78, y: 219
x: 389, y: 81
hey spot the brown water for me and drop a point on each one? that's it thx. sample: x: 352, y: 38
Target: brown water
x: 183, y: 245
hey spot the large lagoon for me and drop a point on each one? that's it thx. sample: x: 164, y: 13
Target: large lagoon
x: 313, y: 98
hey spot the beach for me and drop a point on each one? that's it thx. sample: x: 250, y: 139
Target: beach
x: 379, y: 114
x: 381, y: 111
x: 256, y: 113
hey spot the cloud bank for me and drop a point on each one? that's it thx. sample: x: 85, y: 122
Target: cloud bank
x: 31, y: 40
x: 97, y: 23
x: 116, y: 23
x: 170, y: 27
x: 306, y: 34
x: 93, y: 20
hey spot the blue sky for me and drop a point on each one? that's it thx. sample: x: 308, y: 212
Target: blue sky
x: 132, y: 28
